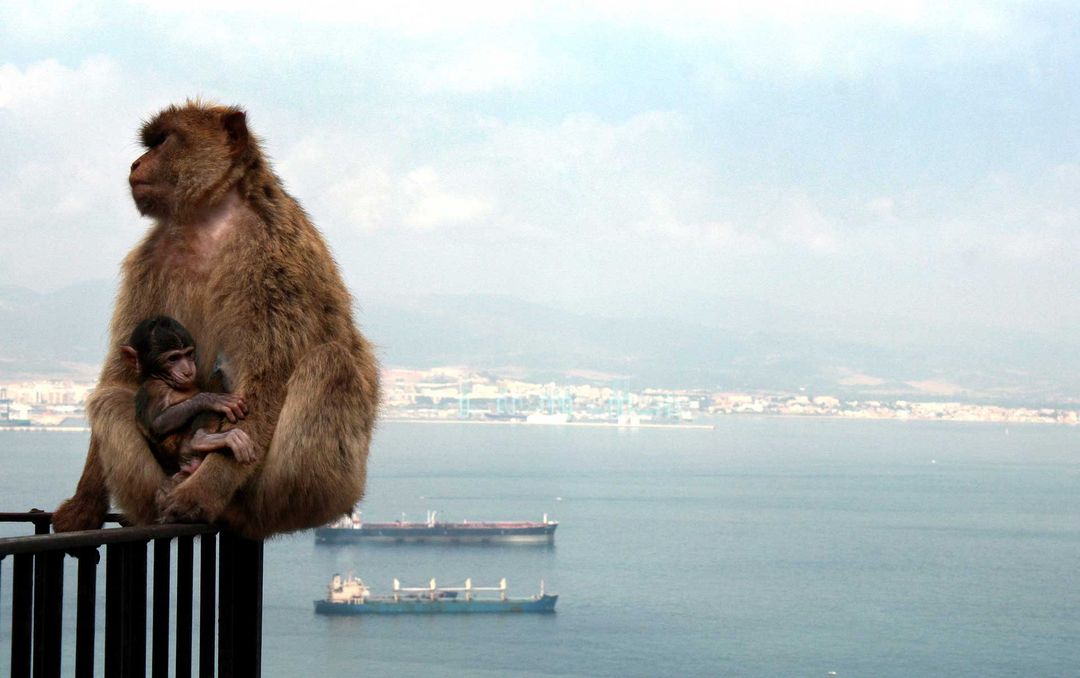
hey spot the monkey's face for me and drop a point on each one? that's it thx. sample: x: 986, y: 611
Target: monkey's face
x: 152, y: 185
x: 177, y: 368
x: 190, y: 151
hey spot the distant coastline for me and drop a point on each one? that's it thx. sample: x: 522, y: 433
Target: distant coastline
x: 592, y: 424
x: 462, y: 395
x: 47, y: 429
x: 404, y: 419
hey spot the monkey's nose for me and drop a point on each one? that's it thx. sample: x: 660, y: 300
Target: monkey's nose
x: 134, y: 165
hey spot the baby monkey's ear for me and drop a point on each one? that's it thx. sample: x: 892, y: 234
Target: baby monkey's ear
x: 131, y: 356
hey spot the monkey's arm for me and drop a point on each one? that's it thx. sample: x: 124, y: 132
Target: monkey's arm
x: 176, y: 417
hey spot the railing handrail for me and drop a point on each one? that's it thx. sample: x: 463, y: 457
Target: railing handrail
x: 66, y: 541
x: 39, y: 516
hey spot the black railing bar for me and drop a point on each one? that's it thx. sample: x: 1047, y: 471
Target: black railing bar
x: 22, y: 611
x: 86, y: 612
x: 35, y: 516
x: 42, y: 543
x: 134, y: 622
x: 185, y: 577
x: 227, y: 570
x: 114, y: 609
x: 48, y: 617
x: 207, y: 605
x: 159, y: 649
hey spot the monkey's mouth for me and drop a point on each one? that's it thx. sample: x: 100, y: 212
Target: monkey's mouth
x: 142, y: 189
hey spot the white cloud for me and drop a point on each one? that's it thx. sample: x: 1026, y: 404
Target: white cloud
x: 450, y: 45
x: 363, y: 200
x: 371, y: 199
x: 48, y: 19
x: 432, y: 206
x: 802, y: 223
x: 410, y: 18
x: 478, y: 69
x: 883, y: 209
x: 717, y: 236
x: 49, y: 82
x: 1024, y: 245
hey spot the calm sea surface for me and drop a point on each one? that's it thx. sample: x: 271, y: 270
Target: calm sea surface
x: 765, y: 547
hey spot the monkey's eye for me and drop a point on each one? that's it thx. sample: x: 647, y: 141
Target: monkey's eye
x: 174, y: 358
x: 157, y: 140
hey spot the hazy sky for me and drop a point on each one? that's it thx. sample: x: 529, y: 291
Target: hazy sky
x: 919, y: 159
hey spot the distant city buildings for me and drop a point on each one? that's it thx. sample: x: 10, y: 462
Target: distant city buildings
x: 457, y: 393
x: 58, y: 404
x: 452, y: 393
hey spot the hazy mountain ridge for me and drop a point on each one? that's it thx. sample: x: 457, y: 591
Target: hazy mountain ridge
x: 57, y: 334
x: 64, y: 334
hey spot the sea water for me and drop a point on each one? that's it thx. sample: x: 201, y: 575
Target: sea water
x: 762, y: 547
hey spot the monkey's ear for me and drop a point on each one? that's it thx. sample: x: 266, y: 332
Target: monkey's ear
x: 235, y: 125
x: 131, y: 356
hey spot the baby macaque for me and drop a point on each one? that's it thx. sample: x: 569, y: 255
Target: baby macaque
x: 181, y: 423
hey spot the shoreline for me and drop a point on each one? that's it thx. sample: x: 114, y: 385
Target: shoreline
x: 47, y: 429
x: 592, y: 424
x: 602, y: 424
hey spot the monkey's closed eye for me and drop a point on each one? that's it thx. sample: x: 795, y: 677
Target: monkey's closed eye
x: 157, y: 139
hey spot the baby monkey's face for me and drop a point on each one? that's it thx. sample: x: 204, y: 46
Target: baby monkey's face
x: 177, y: 368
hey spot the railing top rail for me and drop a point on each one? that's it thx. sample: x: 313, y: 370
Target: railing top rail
x: 67, y: 541
x: 37, y: 516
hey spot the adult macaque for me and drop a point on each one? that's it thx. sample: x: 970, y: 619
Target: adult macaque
x: 181, y: 423
x: 234, y: 258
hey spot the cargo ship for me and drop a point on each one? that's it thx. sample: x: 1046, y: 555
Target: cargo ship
x: 349, y: 595
x: 352, y: 528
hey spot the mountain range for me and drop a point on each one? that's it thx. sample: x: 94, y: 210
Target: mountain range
x: 722, y: 344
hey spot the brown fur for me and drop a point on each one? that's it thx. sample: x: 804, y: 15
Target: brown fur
x: 235, y: 259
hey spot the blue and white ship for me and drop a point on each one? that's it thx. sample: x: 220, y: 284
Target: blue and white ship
x: 349, y: 595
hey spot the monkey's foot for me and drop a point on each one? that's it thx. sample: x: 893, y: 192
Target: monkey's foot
x: 80, y: 513
x: 185, y: 504
x: 161, y: 497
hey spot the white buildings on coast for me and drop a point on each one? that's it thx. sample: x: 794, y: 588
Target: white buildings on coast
x: 451, y: 393
x: 458, y: 393
x: 44, y: 403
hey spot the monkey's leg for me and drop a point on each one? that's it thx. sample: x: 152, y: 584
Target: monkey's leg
x: 118, y: 463
x: 316, y: 466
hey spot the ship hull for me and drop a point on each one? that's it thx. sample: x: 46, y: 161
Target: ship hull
x: 445, y: 533
x: 542, y: 604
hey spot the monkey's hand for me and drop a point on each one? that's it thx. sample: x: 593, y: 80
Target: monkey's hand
x: 236, y: 440
x: 242, y: 448
x: 81, y: 512
x: 229, y: 405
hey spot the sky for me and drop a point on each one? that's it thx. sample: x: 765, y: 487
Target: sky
x: 918, y: 160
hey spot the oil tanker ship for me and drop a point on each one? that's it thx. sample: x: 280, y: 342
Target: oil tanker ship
x: 349, y: 596
x: 352, y: 528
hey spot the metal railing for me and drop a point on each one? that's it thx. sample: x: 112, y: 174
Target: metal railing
x: 230, y: 592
